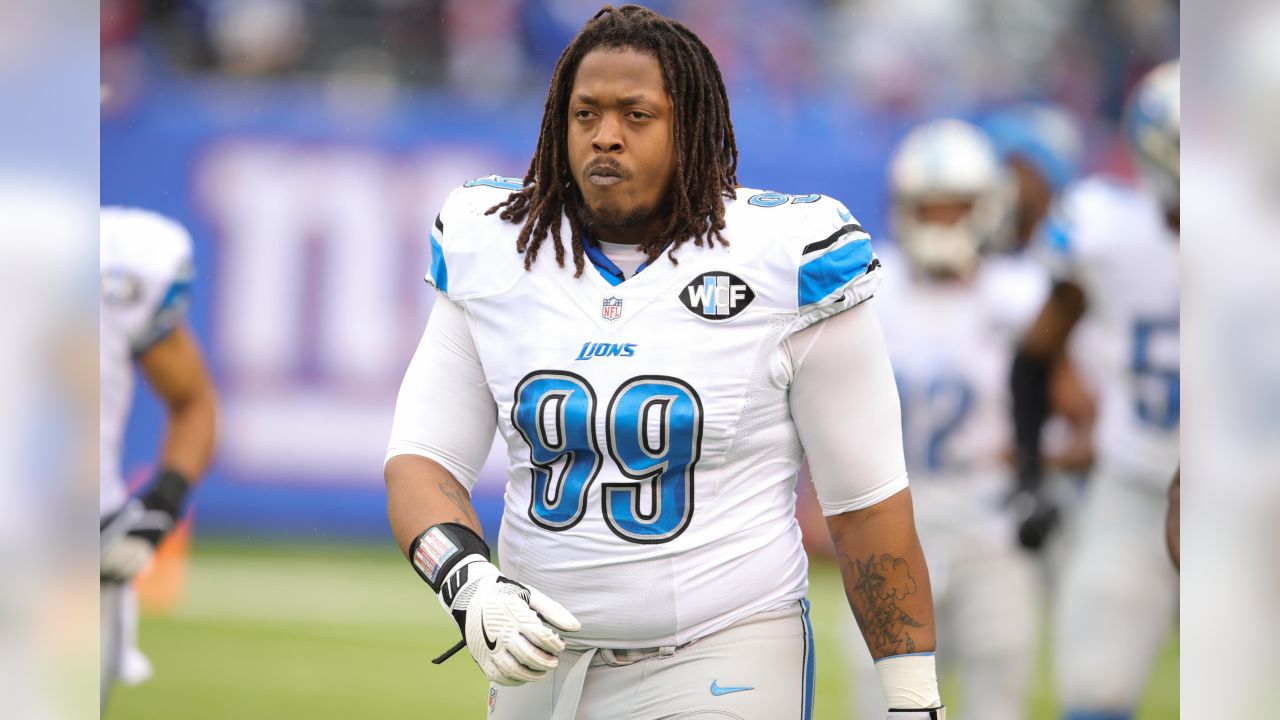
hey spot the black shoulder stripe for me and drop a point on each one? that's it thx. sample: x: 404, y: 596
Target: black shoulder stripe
x: 439, y: 224
x: 850, y: 228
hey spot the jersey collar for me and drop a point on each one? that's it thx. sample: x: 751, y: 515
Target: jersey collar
x: 608, y: 270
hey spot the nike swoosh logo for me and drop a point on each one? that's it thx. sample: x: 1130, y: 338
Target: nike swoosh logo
x: 845, y: 216
x: 718, y: 691
x: 490, y: 643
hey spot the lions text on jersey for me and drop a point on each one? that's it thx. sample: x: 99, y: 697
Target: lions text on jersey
x: 652, y: 456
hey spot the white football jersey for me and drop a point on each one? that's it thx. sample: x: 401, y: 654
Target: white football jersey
x: 1112, y: 240
x: 146, y: 271
x: 952, y: 345
x: 652, y: 455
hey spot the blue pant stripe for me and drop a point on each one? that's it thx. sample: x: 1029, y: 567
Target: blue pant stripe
x: 809, y: 674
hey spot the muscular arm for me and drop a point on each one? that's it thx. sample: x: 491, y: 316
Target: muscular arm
x: 1048, y: 335
x: 175, y: 368
x: 845, y: 405
x: 1043, y: 346
x: 885, y: 577
x: 444, y: 424
x: 421, y: 493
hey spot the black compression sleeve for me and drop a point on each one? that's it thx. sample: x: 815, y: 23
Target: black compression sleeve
x: 1030, y: 384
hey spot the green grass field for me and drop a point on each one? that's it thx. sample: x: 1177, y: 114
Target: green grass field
x: 281, y: 632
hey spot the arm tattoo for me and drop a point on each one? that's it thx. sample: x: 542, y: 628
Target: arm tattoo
x: 464, y: 511
x: 878, y: 585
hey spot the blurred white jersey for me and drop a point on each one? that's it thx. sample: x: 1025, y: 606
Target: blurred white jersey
x: 652, y: 455
x: 1112, y: 240
x: 146, y: 271
x: 951, y: 345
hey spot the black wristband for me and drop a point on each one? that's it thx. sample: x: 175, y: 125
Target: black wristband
x: 436, y: 551
x: 167, y: 493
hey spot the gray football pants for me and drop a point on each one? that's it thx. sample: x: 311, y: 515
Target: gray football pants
x: 760, y: 668
x: 111, y: 638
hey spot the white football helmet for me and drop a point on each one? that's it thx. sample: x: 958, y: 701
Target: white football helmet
x: 1153, y: 122
x: 948, y: 161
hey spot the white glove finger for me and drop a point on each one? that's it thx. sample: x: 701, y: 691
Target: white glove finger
x: 125, y: 557
x: 511, y: 669
x: 529, y: 656
x: 497, y: 676
x: 531, y: 626
x: 553, y: 612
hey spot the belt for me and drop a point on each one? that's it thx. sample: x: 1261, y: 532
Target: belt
x: 606, y: 656
x: 566, y: 705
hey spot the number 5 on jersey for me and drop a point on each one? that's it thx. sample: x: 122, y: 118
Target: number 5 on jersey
x: 653, y: 432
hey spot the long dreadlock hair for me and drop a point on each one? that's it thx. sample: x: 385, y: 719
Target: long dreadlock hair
x: 706, y: 161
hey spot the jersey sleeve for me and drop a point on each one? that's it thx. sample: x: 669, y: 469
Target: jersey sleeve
x: 834, y: 265
x: 845, y: 405
x: 147, y: 270
x: 445, y: 411
x: 473, y: 253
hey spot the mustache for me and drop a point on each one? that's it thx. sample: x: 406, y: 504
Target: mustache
x: 606, y: 166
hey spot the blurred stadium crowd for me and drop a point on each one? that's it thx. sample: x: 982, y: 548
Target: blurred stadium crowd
x: 911, y: 56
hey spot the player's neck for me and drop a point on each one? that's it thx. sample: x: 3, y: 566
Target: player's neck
x: 628, y: 235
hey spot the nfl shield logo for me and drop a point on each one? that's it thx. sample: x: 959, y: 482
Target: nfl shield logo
x: 611, y: 309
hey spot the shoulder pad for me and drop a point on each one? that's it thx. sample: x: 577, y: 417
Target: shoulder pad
x: 146, y: 268
x: 473, y: 252
x: 821, y: 256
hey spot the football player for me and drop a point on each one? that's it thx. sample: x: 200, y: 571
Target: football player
x: 1041, y: 145
x: 659, y: 348
x: 1115, y: 246
x: 146, y: 272
x: 952, y: 320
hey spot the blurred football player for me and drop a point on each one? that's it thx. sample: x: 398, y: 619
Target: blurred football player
x: 1116, y: 250
x: 952, y: 319
x: 659, y: 348
x: 1041, y: 145
x: 146, y: 273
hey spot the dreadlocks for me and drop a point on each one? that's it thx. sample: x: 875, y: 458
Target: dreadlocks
x: 706, y: 159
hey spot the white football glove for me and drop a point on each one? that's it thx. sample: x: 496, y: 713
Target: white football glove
x: 127, y: 538
x: 510, y: 629
x: 127, y: 541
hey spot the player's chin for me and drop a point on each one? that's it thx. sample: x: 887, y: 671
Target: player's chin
x: 609, y: 211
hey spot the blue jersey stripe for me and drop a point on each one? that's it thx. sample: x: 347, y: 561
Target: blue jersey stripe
x: 833, y: 270
x: 167, y: 316
x: 1056, y: 237
x: 439, y: 271
x: 809, y: 674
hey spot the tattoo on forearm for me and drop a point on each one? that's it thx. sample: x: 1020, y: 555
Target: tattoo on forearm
x: 879, y: 587
x: 461, y: 503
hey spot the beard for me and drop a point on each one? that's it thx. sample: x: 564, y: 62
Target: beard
x: 615, y: 219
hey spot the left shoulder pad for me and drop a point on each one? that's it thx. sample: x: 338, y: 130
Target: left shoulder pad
x: 827, y: 257
x: 820, y: 261
x: 833, y: 258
